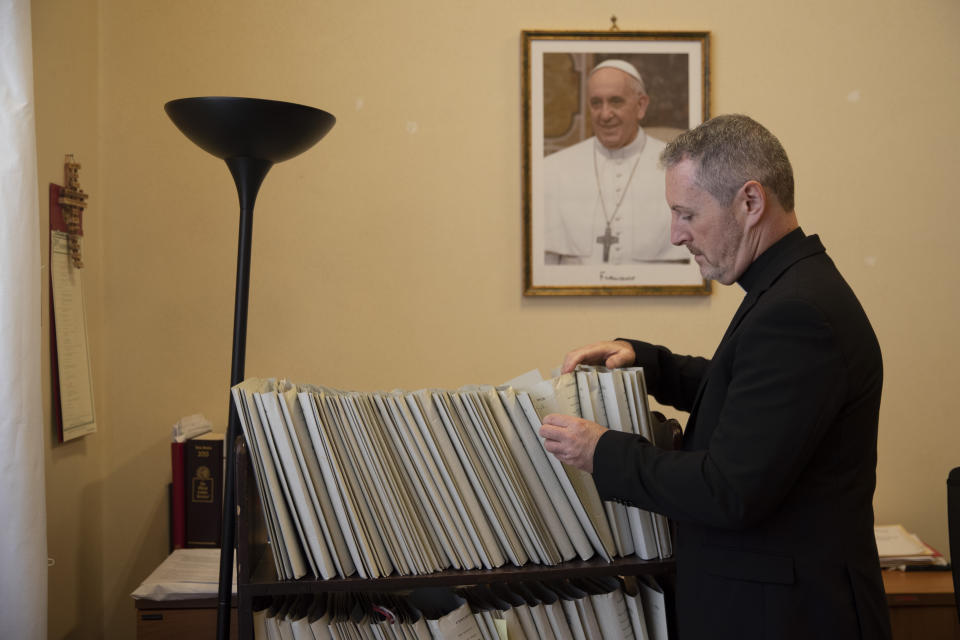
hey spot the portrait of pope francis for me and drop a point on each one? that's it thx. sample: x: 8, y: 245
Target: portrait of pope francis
x: 604, y: 198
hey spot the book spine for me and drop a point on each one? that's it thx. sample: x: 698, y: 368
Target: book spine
x: 204, y: 483
x: 178, y: 497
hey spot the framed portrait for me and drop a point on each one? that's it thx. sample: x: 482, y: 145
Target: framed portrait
x: 598, y: 109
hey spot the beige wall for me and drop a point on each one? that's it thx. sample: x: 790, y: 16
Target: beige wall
x: 390, y: 255
x: 67, y: 94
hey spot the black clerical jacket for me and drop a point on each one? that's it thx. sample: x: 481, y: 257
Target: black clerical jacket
x: 772, y: 491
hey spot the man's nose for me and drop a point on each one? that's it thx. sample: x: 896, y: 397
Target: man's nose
x: 678, y: 235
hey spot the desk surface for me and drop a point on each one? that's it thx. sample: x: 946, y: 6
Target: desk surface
x: 925, y: 587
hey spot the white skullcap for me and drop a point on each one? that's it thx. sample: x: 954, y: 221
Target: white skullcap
x: 624, y: 66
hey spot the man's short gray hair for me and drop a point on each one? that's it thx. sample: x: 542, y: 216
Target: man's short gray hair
x: 729, y: 150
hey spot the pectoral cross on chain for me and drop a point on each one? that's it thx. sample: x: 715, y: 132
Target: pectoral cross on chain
x: 607, y: 240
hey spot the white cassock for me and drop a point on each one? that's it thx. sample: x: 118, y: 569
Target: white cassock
x: 575, y: 217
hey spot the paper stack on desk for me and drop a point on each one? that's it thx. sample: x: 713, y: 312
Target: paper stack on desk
x: 899, y: 548
x: 186, y: 574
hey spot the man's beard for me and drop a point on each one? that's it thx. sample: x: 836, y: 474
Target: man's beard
x: 725, y: 259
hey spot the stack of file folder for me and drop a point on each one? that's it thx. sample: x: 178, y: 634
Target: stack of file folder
x: 374, y: 484
x: 590, y: 608
x: 899, y: 548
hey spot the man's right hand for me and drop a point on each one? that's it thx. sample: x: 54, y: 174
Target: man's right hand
x: 611, y: 354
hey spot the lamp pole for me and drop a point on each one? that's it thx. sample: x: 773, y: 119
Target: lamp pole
x: 251, y: 135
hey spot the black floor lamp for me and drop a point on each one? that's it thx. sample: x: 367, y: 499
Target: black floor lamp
x: 251, y: 135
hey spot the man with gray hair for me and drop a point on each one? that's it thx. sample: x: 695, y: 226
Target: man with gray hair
x: 603, y: 197
x: 772, y: 490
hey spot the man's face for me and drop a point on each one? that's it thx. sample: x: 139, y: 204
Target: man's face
x: 615, y: 107
x: 709, y: 230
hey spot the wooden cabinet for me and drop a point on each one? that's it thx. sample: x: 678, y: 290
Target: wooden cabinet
x: 922, y: 606
x: 180, y: 620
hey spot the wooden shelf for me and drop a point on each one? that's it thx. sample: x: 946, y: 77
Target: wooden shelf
x: 263, y: 580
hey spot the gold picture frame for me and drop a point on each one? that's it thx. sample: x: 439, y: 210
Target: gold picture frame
x: 569, y: 198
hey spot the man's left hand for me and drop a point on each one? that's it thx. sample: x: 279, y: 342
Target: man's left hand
x: 572, y: 440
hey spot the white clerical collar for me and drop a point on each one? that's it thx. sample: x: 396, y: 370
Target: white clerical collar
x: 635, y: 147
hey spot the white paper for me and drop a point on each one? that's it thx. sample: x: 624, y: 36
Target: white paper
x: 620, y: 418
x: 653, y: 607
x: 73, y: 355
x: 333, y: 480
x: 424, y: 498
x: 293, y: 561
x: 895, y: 541
x: 571, y: 528
x: 302, y: 441
x: 554, y: 537
x: 376, y: 488
x: 186, y: 574
x: 612, y: 615
x: 306, y: 519
x: 635, y: 384
x: 566, y: 482
x: 468, y: 504
x: 479, y: 479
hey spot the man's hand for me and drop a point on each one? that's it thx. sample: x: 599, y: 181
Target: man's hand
x: 572, y: 440
x: 612, y: 354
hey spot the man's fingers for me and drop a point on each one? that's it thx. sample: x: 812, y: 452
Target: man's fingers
x: 549, y: 432
x: 620, y: 355
x: 570, y: 439
x: 560, y: 420
x: 619, y: 359
x: 612, y: 354
x: 590, y: 354
x: 572, y: 359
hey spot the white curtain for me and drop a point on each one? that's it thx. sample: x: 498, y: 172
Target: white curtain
x: 23, y: 519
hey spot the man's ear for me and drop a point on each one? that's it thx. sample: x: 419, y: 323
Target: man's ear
x: 753, y: 199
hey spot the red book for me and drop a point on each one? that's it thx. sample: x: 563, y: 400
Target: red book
x: 178, y: 496
x: 203, y: 479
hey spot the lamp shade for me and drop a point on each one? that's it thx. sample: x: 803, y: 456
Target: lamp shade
x: 268, y: 130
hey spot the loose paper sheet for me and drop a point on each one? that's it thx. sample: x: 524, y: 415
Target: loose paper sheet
x: 73, y: 356
x: 186, y: 574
